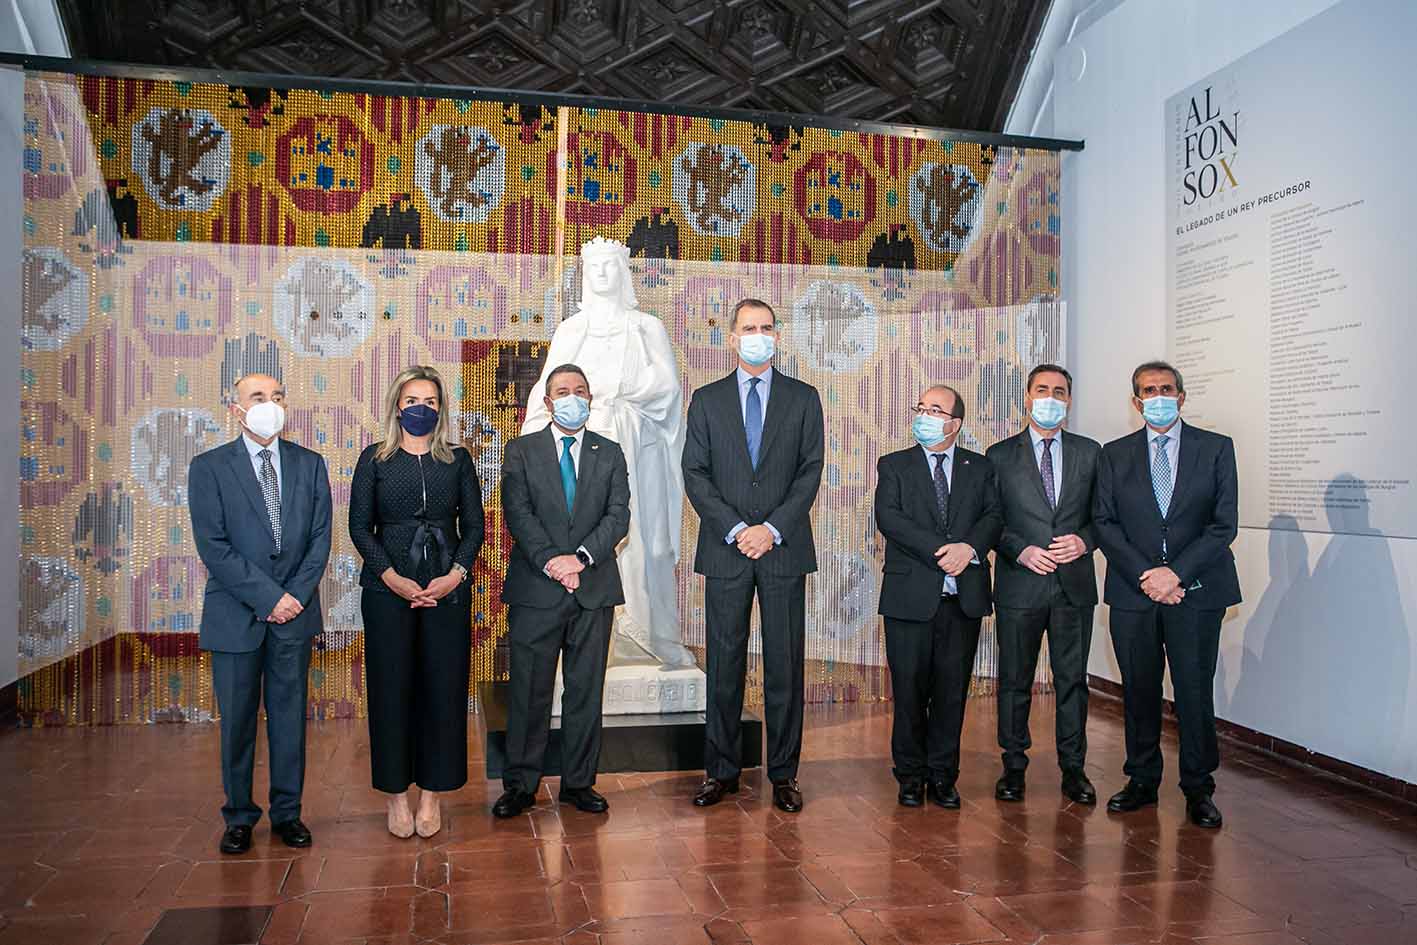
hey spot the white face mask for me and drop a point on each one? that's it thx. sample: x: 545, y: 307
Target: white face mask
x: 265, y: 419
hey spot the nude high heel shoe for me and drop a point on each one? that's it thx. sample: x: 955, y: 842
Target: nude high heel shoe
x: 400, y: 817
x: 430, y: 815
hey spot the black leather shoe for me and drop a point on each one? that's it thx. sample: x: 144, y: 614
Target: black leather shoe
x: 943, y: 793
x: 512, y: 803
x: 1078, y: 789
x: 586, y: 799
x: 293, y: 833
x: 236, y: 840
x: 1203, y: 812
x: 1010, y: 787
x: 712, y: 791
x: 1134, y: 796
x: 912, y: 793
x: 786, y: 795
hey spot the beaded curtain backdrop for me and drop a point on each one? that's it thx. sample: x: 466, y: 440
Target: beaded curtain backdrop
x: 178, y: 235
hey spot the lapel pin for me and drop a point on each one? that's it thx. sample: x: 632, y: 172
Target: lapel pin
x: 595, y: 446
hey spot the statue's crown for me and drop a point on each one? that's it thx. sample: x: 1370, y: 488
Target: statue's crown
x: 601, y: 245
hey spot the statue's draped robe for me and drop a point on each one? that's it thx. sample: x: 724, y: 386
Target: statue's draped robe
x: 637, y: 401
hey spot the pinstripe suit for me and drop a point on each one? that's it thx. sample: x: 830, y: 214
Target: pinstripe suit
x: 725, y: 489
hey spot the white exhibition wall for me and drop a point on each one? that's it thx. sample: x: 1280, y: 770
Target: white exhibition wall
x: 1320, y: 652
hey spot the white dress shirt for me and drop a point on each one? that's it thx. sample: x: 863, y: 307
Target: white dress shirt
x: 254, y: 449
x: 1057, y: 458
x: 764, y: 391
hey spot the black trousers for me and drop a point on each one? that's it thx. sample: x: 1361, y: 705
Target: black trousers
x: 580, y: 638
x: 728, y: 610
x: 1020, y: 635
x: 417, y: 662
x: 931, y: 664
x: 280, y: 667
x: 1146, y: 641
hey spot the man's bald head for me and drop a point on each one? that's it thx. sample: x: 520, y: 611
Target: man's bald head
x: 944, y: 397
x: 255, y: 388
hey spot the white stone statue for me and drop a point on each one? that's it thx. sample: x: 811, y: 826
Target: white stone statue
x: 638, y: 403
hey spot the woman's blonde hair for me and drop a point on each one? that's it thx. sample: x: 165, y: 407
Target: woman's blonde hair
x: 441, y: 446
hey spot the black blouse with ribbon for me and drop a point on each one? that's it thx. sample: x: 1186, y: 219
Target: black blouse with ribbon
x: 415, y: 514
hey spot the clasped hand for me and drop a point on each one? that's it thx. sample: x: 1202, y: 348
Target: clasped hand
x: 954, y: 558
x: 565, y: 569
x: 1062, y: 550
x: 286, y: 609
x: 1162, y: 585
x: 755, y: 541
x: 417, y: 595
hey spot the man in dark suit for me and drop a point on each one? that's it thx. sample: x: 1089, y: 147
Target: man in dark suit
x: 937, y: 504
x: 260, y: 510
x: 1045, y: 579
x: 566, y: 498
x: 752, y: 465
x: 1165, y: 514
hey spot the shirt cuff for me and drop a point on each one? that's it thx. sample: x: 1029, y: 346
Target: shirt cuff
x: 776, y: 535
x: 733, y: 532
x: 590, y: 557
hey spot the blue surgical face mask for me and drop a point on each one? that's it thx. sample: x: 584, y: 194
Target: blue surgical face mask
x: 1048, y: 412
x: 1160, y: 411
x: 418, y: 420
x: 756, y: 349
x: 928, y: 430
x: 571, y: 412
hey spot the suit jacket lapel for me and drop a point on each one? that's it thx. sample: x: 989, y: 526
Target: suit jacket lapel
x: 924, y: 481
x: 734, y: 408
x: 1069, y: 461
x: 585, y: 469
x: 246, y: 475
x: 289, y: 469
x: 777, y: 409
x: 1141, y: 455
x: 1029, y: 461
x: 961, y: 477
x: 546, y: 463
x: 1186, y: 459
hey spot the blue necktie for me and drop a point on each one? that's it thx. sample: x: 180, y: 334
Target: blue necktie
x: 753, y: 420
x: 568, y: 473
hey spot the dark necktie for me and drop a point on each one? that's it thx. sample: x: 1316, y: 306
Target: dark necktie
x: 942, y: 488
x: 753, y: 420
x: 270, y: 491
x: 1046, y: 469
x: 568, y: 473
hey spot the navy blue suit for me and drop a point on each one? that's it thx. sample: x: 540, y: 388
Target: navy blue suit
x: 246, y: 579
x: 1193, y: 539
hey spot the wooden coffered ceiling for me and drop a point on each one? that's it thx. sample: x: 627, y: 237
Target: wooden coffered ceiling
x: 945, y: 63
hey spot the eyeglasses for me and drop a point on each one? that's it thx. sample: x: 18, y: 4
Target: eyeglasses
x: 920, y: 410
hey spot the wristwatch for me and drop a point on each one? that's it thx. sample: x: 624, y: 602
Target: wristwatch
x: 583, y: 557
x: 461, y: 569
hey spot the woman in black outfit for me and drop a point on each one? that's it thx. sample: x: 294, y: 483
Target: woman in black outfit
x: 415, y: 514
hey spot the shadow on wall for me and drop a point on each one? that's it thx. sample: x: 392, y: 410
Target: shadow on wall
x: 1326, y: 655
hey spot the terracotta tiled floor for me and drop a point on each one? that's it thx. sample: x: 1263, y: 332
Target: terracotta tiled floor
x: 105, y: 833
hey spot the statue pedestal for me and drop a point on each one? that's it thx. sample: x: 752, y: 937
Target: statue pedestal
x: 647, y: 690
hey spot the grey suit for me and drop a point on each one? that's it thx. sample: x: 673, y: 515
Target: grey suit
x: 725, y: 488
x: 544, y: 621
x: 247, y: 578
x: 1028, y: 604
